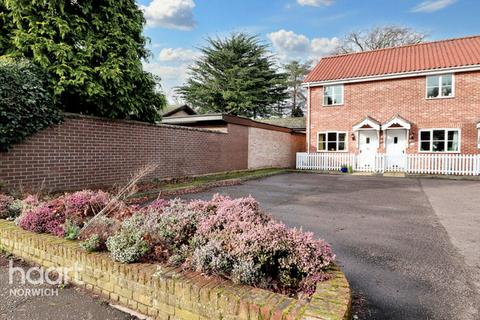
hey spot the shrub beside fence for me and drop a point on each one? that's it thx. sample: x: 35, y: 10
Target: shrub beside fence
x: 444, y: 164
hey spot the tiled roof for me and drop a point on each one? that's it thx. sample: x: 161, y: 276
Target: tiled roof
x: 443, y: 54
x: 293, y: 123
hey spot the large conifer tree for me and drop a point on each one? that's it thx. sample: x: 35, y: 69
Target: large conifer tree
x: 236, y: 75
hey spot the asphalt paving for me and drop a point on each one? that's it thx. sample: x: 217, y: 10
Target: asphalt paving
x: 389, y: 240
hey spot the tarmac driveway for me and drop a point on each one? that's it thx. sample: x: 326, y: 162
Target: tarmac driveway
x: 409, y: 247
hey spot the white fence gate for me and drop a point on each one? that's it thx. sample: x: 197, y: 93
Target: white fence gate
x: 448, y: 164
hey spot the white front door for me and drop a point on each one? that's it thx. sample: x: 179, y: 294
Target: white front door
x: 396, y: 145
x: 368, y: 147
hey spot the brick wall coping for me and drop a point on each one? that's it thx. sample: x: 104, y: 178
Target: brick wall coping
x: 242, y: 121
x: 169, y: 293
x: 135, y: 122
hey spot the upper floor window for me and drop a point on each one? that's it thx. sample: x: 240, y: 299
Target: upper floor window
x: 332, y: 95
x: 332, y: 141
x: 440, y: 140
x: 440, y: 86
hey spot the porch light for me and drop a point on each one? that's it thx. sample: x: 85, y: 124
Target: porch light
x: 353, y: 136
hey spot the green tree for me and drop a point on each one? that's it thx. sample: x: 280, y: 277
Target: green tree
x: 236, y: 75
x: 296, y: 72
x: 26, y: 105
x: 92, y: 51
x: 6, y: 28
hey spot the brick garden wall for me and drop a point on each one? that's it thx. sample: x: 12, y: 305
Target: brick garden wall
x: 87, y: 152
x: 169, y: 293
x: 381, y: 100
x: 267, y: 148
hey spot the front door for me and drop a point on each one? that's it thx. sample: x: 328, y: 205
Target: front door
x: 396, y: 145
x: 368, y: 147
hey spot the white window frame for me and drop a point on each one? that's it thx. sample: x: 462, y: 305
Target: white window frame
x: 326, y: 140
x: 334, y: 104
x: 478, y: 135
x: 446, y: 140
x: 440, y: 86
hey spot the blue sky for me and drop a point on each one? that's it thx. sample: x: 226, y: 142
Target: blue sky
x: 295, y: 29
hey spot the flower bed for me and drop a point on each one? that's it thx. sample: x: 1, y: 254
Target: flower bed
x: 230, y: 238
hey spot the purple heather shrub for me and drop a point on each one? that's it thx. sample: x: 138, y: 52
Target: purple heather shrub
x: 168, y: 228
x: 158, y: 205
x: 101, y: 229
x: 81, y: 205
x: 235, y: 239
x: 48, y: 217
x: 31, y: 200
x: 227, y: 237
x: 5, y: 203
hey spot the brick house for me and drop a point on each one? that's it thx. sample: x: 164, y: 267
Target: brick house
x: 415, y: 99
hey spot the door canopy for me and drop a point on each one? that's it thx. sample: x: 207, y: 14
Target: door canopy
x: 397, y: 122
x: 367, y: 124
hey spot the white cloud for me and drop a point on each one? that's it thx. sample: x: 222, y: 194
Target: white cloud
x: 171, y: 64
x: 433, y: 5
x: 289, y: 41
x: 172, y: 14
x: 290, y: 45
x: 177, y: 54
x: 315, y: 3
x: 323, y: 46
x: 171, y: 77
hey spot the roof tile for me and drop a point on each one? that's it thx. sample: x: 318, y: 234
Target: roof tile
x: 443, y: 54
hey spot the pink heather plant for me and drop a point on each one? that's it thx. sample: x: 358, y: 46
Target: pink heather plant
x: 84, y: 204
x: 237, y: 239
x: 5, y: 202
x: 228, y: 237
x: 48, y: 217
x: 157, y: 205
x: 31, y: 201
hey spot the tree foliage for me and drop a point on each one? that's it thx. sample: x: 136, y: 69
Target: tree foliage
x: 296, y: 72
x: 378, y: 38
x: 92, y: 51
x: 236, y: 75
x: 6, y: 27
x: 26, y: 106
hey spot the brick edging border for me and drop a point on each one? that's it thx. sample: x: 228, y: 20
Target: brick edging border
x: 169, y: 293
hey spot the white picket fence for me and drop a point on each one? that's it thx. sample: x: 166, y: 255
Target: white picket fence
x: 445, y: 164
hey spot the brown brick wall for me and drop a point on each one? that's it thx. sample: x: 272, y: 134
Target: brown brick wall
x: 381, y: 100
x: 85, y: 151
x: 267, y: 148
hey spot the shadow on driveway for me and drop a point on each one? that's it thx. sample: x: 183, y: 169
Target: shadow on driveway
x: 397, y: 255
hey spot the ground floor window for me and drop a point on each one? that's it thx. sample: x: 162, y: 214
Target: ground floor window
x: 478, y: 138
x: 439, y: 140
x: 332, y: 141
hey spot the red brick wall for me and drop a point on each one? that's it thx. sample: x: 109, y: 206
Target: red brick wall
x: 85, y: 151
x: 383, y: 99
